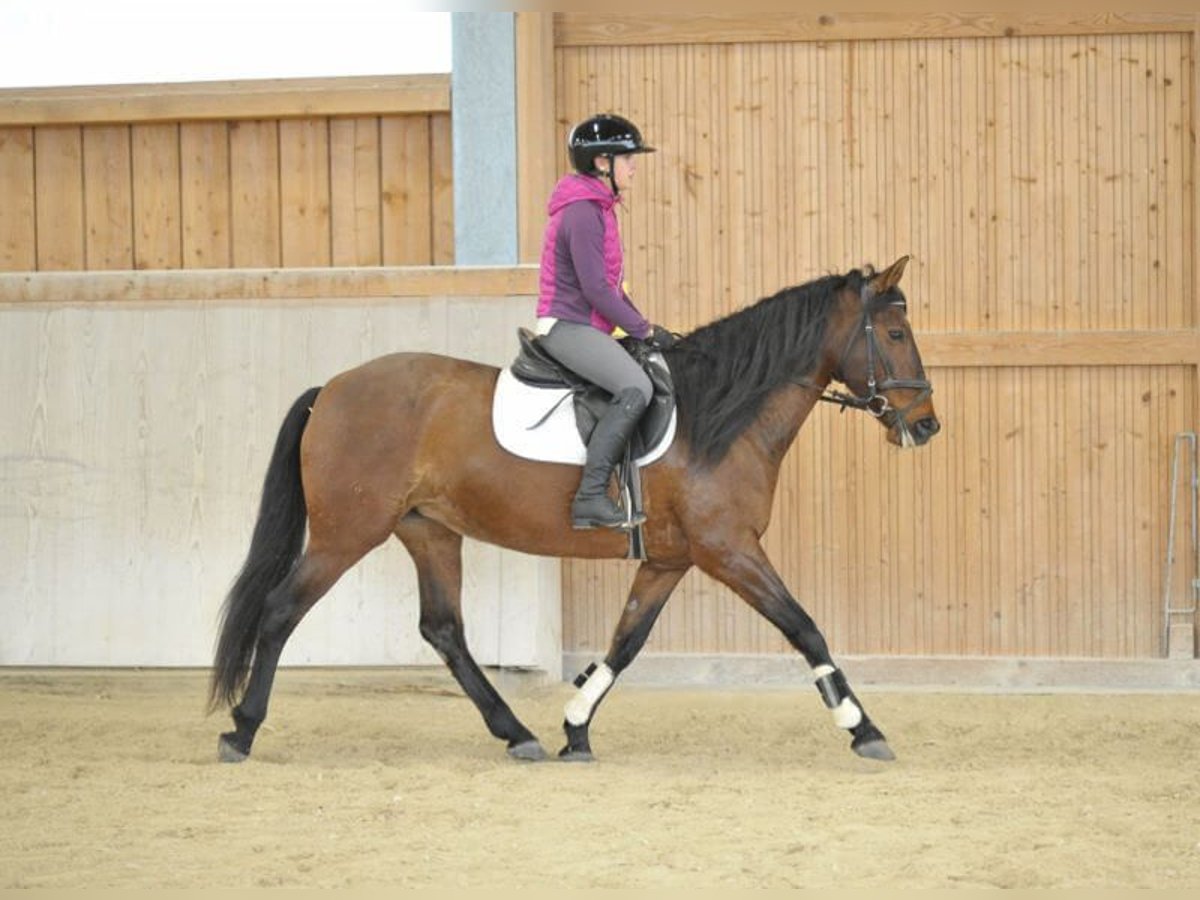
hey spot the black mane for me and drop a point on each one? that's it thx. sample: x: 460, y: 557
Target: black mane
x: 725, y: 371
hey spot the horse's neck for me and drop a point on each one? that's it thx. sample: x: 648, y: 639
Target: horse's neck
x: 777, y: 425
x: 788, y: 408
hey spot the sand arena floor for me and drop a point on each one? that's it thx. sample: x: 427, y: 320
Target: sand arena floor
x: 365, y: 778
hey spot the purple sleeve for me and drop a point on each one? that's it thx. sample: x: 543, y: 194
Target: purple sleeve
x: 585, y: 233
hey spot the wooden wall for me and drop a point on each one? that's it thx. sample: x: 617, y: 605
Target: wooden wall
x: 1041, y: 172
x: 296, y: 173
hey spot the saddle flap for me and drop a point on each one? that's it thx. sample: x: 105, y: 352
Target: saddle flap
x: 539, y: 424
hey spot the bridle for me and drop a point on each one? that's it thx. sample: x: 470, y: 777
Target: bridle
x: 874, y: 400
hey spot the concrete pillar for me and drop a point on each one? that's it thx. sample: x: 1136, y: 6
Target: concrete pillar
x: 483, y: 89
x: 528, y: 594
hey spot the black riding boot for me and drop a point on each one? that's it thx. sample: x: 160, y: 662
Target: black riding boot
x: 592, y: 507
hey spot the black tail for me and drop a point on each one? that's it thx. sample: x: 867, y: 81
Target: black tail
x: 276, y: 545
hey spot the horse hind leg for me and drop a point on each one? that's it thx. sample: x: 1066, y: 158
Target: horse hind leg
x: 314, y: 574
x: 437, y: 553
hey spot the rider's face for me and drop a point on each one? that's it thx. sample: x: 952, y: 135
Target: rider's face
x: 624, y: 167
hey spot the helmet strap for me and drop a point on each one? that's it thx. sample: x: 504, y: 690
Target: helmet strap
x: 612, y: 173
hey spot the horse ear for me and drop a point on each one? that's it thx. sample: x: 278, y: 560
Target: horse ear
x: 889, y: 277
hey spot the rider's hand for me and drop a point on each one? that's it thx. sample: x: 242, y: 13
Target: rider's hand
x: 661, y: 339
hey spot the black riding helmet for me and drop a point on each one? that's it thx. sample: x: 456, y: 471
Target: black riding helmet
x: 603, y: 135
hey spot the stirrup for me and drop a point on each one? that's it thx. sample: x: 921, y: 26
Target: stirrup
x: 623, y: 525
x: 614, y: 517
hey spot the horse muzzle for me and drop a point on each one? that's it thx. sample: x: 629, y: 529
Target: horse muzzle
x: 916, y: 434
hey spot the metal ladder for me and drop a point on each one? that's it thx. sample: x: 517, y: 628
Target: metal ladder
x: 1187, y: 441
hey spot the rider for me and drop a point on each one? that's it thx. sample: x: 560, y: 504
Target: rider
x: 582, y: 300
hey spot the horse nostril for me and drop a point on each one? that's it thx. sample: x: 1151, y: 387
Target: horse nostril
x: 927, y: 427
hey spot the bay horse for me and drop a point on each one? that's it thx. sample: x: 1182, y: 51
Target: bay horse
x: 402, y: 445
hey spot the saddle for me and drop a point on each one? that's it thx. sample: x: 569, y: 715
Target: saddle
x: 537, y: 368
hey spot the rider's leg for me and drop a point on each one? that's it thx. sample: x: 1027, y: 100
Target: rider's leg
x: 602, y: 361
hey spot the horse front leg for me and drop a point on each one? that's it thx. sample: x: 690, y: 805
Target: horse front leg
x: 651, y: 588
x: 743, y: 566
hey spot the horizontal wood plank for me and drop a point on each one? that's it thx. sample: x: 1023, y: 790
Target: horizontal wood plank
x: 612, y: 29
x: 269, y: 98
x: 938, y: 349
x: 267, y: 284
x: 1060, y: 348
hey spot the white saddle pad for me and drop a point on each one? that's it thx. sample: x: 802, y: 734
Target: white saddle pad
x: 518, y: 407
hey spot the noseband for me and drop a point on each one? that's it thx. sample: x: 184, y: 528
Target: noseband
x: 874, y: 400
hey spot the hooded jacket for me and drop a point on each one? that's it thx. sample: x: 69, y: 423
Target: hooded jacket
x: 582, y: 261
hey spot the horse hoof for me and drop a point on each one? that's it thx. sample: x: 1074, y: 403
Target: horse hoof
x: 228, y: 753
x: 579, y: 756
x: 877, y: 749
x: 529, y: 751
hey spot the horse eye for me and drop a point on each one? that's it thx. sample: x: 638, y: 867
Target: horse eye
x: 896, y: 334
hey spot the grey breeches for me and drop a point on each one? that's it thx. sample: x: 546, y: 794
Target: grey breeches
x: 597, y: 357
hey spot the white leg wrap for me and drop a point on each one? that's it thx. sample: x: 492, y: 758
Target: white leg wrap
x: 846, y: 714
x: 579, y: 708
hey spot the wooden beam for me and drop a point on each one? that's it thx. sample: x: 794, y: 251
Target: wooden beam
x: 264, y: 99
x: 1180, y: 347
x: 1192, y: 187
x: 1181, y: 634
x: 938, y: 349
x: 268, y: 284
x: 536, y: 127
x: 600, y: 29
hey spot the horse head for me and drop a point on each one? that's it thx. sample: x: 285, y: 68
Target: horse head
x: 880, y: 362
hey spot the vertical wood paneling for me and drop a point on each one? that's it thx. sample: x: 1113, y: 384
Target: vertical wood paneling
x: 108, y: 197
x: 263, y: 192
x: 157, y: 197
x: 441, y: 200
x: 407, y: 190
x: 1041, y: 184
x: 354, y: 191
x: 18, y: 248
x: 1178, y: 142
x: 538, y: 132
x: 304, y: 192
x: 204, y: 194
x: 58, y: 179
x: 254, y: 193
